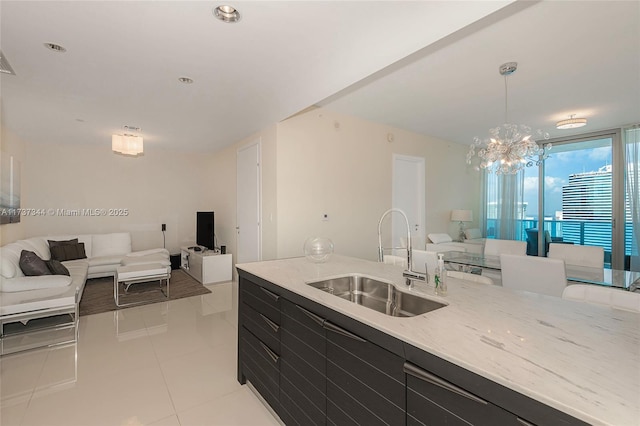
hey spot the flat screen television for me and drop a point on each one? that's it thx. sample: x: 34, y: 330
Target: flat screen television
x: 205, y: 235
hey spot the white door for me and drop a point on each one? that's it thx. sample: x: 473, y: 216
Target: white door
x: 408, y: 196
x: 248, y: 203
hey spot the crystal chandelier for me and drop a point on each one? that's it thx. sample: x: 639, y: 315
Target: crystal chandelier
x: 511, y: 147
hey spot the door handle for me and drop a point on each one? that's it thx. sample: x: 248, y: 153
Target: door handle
x: 269, y: 352
x: 339, y: 330
x: 315, y: 318
x: 270, y: 294
x: 275, y: 327
x: 425, y: 376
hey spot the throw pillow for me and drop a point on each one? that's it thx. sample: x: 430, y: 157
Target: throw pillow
x: 62, y: 243
x: 32, y: 265
x: 57, y: 268
x: 66, y: 252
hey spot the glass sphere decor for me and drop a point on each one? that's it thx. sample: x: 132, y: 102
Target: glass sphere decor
x: 318, y: 249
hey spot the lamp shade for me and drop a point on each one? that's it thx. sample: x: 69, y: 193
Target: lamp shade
x: 461, y: 216
x: 127, y: 144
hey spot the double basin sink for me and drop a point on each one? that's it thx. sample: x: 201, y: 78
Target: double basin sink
x: 377, y: 295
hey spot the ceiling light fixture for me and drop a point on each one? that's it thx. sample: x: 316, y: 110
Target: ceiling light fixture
x: 509, y: 148
x: 571, y: 123
x: 128, y: 143
x: 185, y: 80
x: 55, y: 47
x: 226, y: 13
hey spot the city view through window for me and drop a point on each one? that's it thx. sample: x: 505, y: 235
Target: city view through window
x: 579, y: 179
x: 578, y: 204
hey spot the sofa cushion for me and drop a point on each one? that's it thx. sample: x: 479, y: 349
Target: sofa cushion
x: 440, y: 238
x: 160, y: 258
x: 7, y: 266
x: 39, y: 246
x: 473, y: 233
x: 32, y: 265
x: 56, y: 267
x: 162, y: 251
x: 34, y: 283
x: 66, y: 252
x: 111, y: 244
x: 105, y: 260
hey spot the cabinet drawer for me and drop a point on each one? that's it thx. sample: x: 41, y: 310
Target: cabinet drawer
x: 438, y: 404
x: 261, y: 366
x: 262, y: 300
x: 364, y: 381
x: 302, y: 366
x: 262, y: 327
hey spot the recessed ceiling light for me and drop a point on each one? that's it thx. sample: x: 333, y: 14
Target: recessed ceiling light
x: 185, y: 80
x: 226, y: 13
x: 571, y: 123
x: 55, y: 47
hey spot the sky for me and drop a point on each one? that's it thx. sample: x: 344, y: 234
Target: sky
x: 558, y: 167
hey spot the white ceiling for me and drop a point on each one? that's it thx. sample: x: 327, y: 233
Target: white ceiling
x: 427, y: 66
x: 124, y: 58
x: 574, y: 57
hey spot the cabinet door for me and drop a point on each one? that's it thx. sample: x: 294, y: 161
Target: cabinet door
x: 259, y: 340
x: 302, y: 366
x: 365, y: 383
x: 432, y: 401
x: 261, y: 366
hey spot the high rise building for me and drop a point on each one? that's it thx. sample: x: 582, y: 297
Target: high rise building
x: 587, y: 197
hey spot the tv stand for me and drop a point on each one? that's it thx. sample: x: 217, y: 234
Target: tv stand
x: 206, y: 266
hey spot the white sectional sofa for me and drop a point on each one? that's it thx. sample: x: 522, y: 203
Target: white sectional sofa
x: 23, y: 298
x: 444, y: 242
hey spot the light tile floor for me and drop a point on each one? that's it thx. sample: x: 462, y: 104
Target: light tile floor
x: 165, y: 364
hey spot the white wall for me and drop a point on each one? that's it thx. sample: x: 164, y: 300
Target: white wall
x: 342, y: 166
x: 11, y: 145
x: 157, y: 187
x: 222, y: 189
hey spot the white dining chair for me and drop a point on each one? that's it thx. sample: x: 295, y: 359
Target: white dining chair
x: 576, y: 255
x: 470, y: 277
x: 390, y: 259
x: 604, y: 296
x: 494, y: 247
x: 425, y: 262
x: 531, y: 273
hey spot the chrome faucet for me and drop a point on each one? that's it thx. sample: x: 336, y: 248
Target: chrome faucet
x: 409, y: 273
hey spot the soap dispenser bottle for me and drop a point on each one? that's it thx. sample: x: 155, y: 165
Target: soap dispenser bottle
x: 441, y: 277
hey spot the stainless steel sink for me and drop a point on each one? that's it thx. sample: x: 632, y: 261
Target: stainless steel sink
x: 377, y: 295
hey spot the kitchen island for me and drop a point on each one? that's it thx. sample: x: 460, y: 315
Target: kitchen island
x: 579, y: 360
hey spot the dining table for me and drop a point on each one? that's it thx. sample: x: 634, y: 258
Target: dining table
x: 475, y: 263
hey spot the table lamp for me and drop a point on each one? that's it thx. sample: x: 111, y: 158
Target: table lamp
x: 461, y: 216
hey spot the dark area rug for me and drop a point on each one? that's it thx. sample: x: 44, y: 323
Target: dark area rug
x: 97, y: 296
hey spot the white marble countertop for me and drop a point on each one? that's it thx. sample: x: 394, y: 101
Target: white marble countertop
x: 578, y: 358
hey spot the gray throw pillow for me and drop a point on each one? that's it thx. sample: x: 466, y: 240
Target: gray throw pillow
x: 57, y: 268
x: 32, y: 265
x: 53, y: 243
x: 66, y: 252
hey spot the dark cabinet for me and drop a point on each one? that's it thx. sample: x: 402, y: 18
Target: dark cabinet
x: 315, y: 366
x: 365, y: 383
x: 432, y: 401
x: 302, y: 366
x: 259, y: 340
